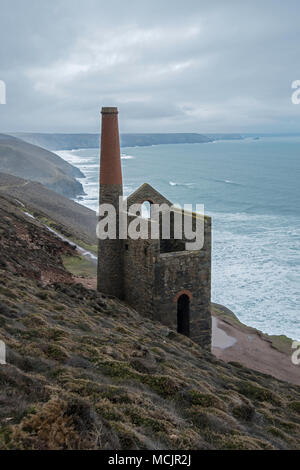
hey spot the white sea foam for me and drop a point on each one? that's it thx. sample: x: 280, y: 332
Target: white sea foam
x: 67, y: 155
x: 126, y: 157
x: 227, y: 181
x: 172, y: 183
x: 87, y: 167
x: 255, y: 271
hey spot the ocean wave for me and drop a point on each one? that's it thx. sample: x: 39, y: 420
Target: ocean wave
x: 71, y: 156
x: 172, y: 183
x: 86, y: 167
x: 126, y: 157
x: 66, y: 154
x: 228, y: 182
x: 92, y: 183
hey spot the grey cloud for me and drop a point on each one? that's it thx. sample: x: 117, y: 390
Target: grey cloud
x: 169, y: 66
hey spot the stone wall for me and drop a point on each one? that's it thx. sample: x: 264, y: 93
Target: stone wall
x: 154, y: 280
x: 140, y: 257
x: 147, y: 193
x: 186, y: 271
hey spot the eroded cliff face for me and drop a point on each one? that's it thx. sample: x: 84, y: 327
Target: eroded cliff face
x: 85, y: 371
x: 22, y: 159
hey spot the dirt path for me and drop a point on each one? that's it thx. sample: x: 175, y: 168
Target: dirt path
x: 85, y: 253
x: 3, y: 187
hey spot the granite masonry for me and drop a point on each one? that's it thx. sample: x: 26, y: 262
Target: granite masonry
x: 158, y: 277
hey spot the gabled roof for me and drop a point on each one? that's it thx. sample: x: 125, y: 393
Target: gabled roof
x: 147, y: 193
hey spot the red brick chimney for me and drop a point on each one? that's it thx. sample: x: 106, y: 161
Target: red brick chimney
x: 110, y: 252
x: 110, y: 162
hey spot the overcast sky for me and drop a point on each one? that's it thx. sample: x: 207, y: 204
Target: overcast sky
x: 170, y: 66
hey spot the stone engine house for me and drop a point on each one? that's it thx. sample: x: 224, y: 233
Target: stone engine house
x: 158, y: 277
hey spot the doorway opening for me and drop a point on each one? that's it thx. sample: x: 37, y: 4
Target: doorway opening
x: 183, y: 315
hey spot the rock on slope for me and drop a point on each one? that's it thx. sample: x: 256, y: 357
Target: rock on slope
x: 84, y: 371
x: 28, y: 161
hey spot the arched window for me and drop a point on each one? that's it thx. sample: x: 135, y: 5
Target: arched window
x: 146, y: 210
x: 183, y: 315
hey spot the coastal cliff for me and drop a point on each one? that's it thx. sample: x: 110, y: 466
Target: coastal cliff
x: 85, y: 371
x: 22, y: 159
x: 80, y: 141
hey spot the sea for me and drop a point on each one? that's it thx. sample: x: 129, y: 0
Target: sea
x: 250, y: 188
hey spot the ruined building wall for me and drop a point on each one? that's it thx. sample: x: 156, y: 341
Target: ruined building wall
x: 153, y: 281
x: 139, y: 261
x: 189, y: 271
x: 147, y: 193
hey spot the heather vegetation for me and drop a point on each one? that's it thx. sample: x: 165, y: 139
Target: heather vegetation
x: 85, y: 371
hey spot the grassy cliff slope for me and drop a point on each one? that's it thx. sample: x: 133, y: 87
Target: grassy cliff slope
x: 85, y: 371
x: 67, y: 217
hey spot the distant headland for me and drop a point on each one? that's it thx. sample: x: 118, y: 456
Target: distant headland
x: 79, y: 141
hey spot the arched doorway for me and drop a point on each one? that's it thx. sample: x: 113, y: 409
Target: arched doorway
x: 183, y: 315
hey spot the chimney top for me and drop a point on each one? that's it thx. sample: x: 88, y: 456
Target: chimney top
x: 110, y: 161
x: 109, y: 110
